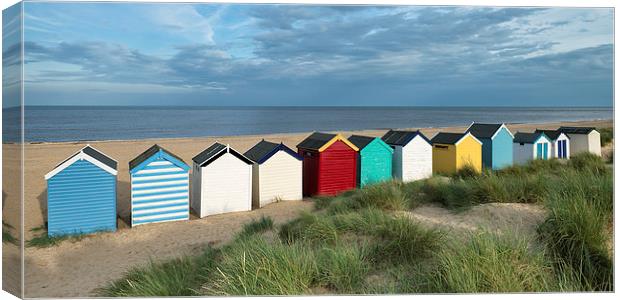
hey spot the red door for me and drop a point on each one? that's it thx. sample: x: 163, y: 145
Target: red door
x: 337, y: 169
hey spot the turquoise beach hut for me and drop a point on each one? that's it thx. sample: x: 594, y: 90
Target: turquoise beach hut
x: 159, y: 187
x: 375, y: 159
x: 81, y: 194
x: 496, y: 141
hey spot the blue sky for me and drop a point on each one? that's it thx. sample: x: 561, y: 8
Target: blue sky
x: 213, y: 54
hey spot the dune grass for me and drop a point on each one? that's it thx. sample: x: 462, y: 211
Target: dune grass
x: 607, y: 134
x: 7, y: 236
x: 359, y: 242
x: 178, y: 277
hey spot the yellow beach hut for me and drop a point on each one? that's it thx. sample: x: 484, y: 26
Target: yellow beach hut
x: 453, y: 151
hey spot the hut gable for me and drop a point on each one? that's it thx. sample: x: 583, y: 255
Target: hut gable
x: 153, y: 153
x: 321, y: 141
x: 402, y: 137
x: 530, y: 138
x: 264, y: 150
x: 89, y: 154
x: 214, y: 152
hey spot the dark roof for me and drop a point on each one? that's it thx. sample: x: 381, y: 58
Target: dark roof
x: 94, y: 153
x: 402, y: 137
x: 262, y: 151
x: 483, y: 130
x: 214, y: 151
x: 360, y: 141
x: 576, y: 130
x: 527, y: 137
x: 316, y: 140
x: 447, y: 138
x: 148, y: 153
x: 552, y: 134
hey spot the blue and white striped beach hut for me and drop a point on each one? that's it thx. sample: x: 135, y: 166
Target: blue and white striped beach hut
x: 81, y: 194
x: 159, y: 187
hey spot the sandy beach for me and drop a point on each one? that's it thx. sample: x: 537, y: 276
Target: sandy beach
x: 74, y: 269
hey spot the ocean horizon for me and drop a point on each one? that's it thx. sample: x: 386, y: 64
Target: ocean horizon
x: 90, y: 123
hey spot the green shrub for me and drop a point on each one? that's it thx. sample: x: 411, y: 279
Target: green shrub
x: 491, y: 263
x: 177, y: 277
x: 576, y: 233
x: 257, y: 226
x: 589, y: 162
x: 309, y: 227
x: 384, y: 195
x: 607, y: 134
x: 466, y: 172
x: 342, y: 268
x: 253, y: 266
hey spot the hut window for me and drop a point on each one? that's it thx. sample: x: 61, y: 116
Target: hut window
x: 521, y: 144
x: 309, y: 154
x: 441, y: 147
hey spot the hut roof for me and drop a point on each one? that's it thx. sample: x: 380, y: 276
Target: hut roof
x: 360, y: 141
x: 264, y: 150
x: 216, y: 150
x: 318, y: 141
x: 576, y: 130
x: 148, y: 153
x: 528, y: 137
x: 91, y: 154
x: 552, y: 134
x: 485, y: 130
x: 402, y: 137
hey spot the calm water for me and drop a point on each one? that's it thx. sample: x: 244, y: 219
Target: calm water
x: 53, y: 124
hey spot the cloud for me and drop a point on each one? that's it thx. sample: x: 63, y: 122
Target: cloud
x: 321, y: 50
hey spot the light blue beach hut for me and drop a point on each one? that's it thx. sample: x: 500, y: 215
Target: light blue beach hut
x: 159, y: 187
x: 496, y: 141
x: 81, y: 194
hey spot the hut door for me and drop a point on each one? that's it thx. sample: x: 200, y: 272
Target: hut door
x: 545, y: 150
x: 539, y: 150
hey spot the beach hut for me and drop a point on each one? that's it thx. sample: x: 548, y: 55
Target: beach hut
x: 221, y: 181
x: 413, y: 154
x: 583, y: 139
x: 560, y: 143
x: 453, y: 151
x: 529, y: 146
x: 159, y: 187
x: 496, y: 144
x: 276, y: 173
x: 81, y: 194
x: 374, y: 161
x: 330, y: 164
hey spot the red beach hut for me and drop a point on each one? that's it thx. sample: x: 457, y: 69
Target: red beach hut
x: 330, y: 164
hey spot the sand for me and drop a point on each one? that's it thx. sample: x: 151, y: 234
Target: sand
x: 76, y: 268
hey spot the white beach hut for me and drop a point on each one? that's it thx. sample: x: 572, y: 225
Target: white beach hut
x: 530, y: 146
x: 560, y: 143
x: 221, y: 181
x: 583, y: 139
x: 276, y: 173
x: 413, y: 154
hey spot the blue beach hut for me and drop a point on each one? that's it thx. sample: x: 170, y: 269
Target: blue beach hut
x: 159, y: 187
x: 81, y: 194
x: 496, y: 141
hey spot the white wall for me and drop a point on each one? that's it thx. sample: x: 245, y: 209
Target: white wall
x: 397, y: 163
x: 594, y: 142
x: 226, y: 186
x: 579, y: 143
x: 522, y: 153
x: 195, y: 186
x: 555, y: 148
x: 417, y: 160
x: 280, y: 177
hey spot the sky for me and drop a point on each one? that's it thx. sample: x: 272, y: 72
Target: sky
x: 249, y: 55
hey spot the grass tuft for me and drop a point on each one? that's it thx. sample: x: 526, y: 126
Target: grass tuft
x: 177, y: 277
x: 257, y: 226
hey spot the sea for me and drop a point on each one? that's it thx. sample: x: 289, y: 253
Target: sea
x: 88, y: 123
